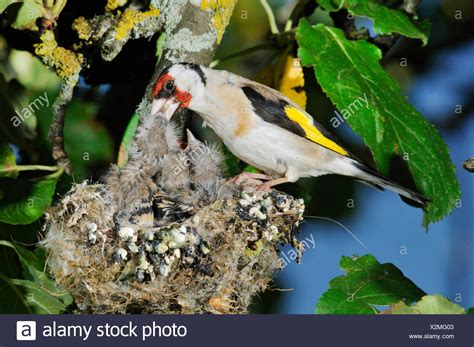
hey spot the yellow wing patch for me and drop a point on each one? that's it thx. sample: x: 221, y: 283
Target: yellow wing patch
x: 312, y: 133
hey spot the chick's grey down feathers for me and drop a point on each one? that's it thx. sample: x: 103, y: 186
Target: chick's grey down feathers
x: 158, y: 167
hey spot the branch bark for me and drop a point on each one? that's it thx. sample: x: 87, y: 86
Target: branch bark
x: 193, y: 32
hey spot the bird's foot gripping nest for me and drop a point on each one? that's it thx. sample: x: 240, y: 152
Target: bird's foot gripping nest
x: 204, y: 249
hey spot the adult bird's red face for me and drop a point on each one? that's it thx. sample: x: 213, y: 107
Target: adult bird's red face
x: 173, y: 89
x: 167, y: 98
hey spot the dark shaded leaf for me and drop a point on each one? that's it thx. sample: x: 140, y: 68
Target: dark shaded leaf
x: 22, y: 201
x: 12, y: 298
x: 41, y: 292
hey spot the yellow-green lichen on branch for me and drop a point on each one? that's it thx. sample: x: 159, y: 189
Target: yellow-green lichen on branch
x: 65, y: 62
x: 81, y: 26
x: 114, y: 4
x: 222, y: 12
x: 130, y: 18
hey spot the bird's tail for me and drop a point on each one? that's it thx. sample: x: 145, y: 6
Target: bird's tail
x: 366, y: 174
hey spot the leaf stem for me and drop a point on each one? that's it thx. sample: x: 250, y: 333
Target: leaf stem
x: 271, y: 17
x: 34, y: 168
x: 58, y: 173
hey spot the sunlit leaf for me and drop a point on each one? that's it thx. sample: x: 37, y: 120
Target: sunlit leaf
x: 429, y: 304
x: 5, y: 3
x: 32, y: 73
x: 22, y: 15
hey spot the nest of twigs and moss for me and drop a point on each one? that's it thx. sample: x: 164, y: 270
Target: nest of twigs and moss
x: 213, y: 261
x: 166, y: 233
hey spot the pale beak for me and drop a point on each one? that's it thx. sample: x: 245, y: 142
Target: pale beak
x: 164, y: 107
x: 190, y: 135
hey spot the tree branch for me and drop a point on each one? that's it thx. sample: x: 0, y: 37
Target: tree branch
x: 192, y: 32
x: 56, y: 129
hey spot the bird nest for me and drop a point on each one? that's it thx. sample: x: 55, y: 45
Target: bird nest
x: 161, y: 243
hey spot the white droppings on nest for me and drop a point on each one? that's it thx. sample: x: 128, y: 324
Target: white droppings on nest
x: 91, y: 230
x: 127, y: 234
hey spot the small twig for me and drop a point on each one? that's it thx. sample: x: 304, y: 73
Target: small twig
x: 271, y: 17
x: 244, y: 52
x: 304, y: 8
x: 30, y: 168
x: 56, y: 130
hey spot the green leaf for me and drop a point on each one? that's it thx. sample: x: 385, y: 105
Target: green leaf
x: 40, y: 291
x: 33, y: 74
x: 22, y: 201
x: 22, y: 15
x: 470, y: 310
x: 87, y: 141
x: 251, y: 169
x: 7, y: 162
x: 127, y: 141
x: 331, y: 5
x: 12, y: 298
x: 429, y: 304
x: 367, y: 284
x: 4, y: 4
x: 10, y: 266
x: 386, y: 20
x: 28, y: 260
x: 12, y: 102
x: 39, y: 301
x: 374, y: 106
x: 233, y: 164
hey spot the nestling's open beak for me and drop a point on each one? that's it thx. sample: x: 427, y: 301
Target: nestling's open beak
x: 166, y: 107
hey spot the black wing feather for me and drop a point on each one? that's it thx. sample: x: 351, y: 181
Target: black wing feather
x: 272, y: 111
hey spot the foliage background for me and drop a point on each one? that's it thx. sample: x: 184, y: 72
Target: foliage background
x: 437, y: 78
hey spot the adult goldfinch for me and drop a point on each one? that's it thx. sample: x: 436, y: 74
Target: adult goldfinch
x: 262, y: 127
